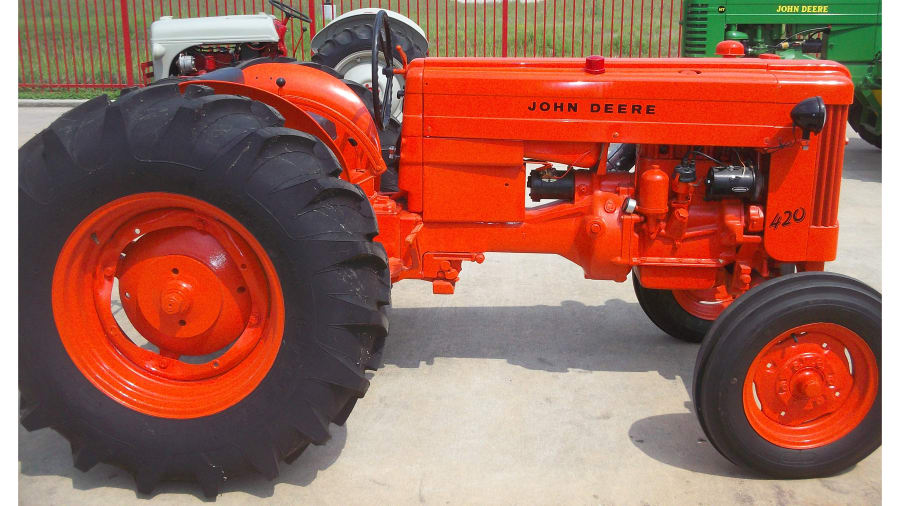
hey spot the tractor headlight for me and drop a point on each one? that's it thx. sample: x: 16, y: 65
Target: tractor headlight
x: 809, y: 115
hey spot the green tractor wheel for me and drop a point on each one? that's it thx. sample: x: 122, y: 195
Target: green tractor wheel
x: 861, y: 119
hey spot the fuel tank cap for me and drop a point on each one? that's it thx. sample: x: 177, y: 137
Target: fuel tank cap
x: 594, y: 64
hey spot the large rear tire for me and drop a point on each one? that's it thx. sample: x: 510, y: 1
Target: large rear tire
x: 196, y: 170
x: 787, y: 381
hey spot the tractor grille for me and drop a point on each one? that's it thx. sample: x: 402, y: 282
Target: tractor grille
x: 829, y: 160
x: 695, y: 30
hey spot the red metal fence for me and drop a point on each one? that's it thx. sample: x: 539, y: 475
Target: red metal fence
x: 100, y: 43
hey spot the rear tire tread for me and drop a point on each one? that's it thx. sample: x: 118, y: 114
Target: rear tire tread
x: 357, y: 36
x: 254, y: 152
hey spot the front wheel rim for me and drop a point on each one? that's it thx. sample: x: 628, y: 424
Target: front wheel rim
x: 192, y: 281
x: 810, y: 386
x: 705, y: 304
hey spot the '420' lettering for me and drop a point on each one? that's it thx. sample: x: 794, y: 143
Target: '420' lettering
x: 785, y: 218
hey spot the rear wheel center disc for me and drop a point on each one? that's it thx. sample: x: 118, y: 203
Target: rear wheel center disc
x: 193, y: 312
x: 182, y: 291
x: 192, y: 281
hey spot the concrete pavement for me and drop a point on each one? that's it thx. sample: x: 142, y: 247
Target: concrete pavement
x: 529, y: 385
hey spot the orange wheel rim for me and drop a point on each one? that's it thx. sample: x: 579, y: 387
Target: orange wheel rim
x: 704, y: 304
x: 192, y: 282
x: 810, y: 386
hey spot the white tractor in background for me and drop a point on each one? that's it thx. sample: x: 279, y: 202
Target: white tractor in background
x: 183, y: 47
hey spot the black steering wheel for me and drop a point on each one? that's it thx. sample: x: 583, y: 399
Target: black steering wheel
x: 381, y: 39
x: 290, y: 11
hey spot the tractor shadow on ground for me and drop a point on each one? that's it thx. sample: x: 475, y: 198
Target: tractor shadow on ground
x: 662, y: 439
x: 862, y: 161
x: 46, y: 453
x: 676, y: 439
x: 616, y: 336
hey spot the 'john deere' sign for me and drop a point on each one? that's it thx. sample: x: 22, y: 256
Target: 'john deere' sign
x: 802, y: 8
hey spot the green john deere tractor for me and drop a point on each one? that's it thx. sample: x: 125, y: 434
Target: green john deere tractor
x: 847, y: 31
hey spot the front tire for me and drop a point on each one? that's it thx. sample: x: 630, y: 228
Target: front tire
x: 787, y: 381
x: 686, y: 315
x: 208, y: 170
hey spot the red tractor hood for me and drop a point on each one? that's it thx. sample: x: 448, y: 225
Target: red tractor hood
x: 676, y: 100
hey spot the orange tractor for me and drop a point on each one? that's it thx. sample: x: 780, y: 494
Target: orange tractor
x: 217, y: 253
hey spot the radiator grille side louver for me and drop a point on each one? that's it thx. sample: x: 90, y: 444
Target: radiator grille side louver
x: 829, y: 161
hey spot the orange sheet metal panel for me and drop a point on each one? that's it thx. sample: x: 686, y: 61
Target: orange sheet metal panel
x: 804, y: 189
x: 410, y: 174
x: 685, y: 101
x: 473, y: 181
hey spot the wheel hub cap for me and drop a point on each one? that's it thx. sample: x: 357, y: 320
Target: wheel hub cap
x: 810, y: 386
x: 807, y: 385
x: 183, y: 292
x: 804, y: 380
